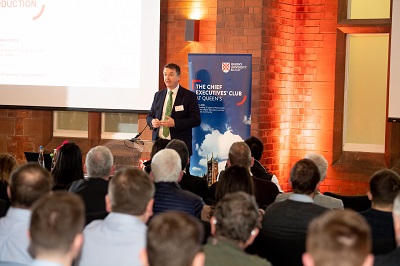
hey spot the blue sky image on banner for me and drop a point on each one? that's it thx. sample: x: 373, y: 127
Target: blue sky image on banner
x: 222, y: 83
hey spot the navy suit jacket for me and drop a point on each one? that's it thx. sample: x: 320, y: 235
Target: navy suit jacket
x: 185, y: 119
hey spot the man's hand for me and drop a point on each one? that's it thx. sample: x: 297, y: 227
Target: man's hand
x: 168, y: 122
x: 155, y: 123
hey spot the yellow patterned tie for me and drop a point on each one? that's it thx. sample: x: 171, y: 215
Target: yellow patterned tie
x: 168, y: 110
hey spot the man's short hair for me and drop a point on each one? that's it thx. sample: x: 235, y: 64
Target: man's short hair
x: 320, y: 162
x: 56, y: 219
x: 130, y: 190
x: 166, y: 166
x: 384, y: 186
x: 236, y: 216
x: 27, y: 183
x: 175, y: 67
x: 339, y: 237
x: 256, y: 147
x: 99, y: 161
x: 240, y: 154
x: 304, y: 177
x: 180, y: 147
x: 173, y: 239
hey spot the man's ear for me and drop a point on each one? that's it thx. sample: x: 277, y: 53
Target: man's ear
x: 228, y: 163
x: 108, y: 203
x: 77, y: 245
x: 112, y: 170
x: 317, y: 186
x: 307, y: 259
x: 252, y: 236
x: 199, y: 259
x: 369, y: 260
x: 252, y: 162
x: 180, y: 176
x: 213, y: 223
x: 149, y: 209
x: 369, y: 195
x: 151, y: 176
x: 143, y: 257
x: 84, y: 169
x: 9, y: 192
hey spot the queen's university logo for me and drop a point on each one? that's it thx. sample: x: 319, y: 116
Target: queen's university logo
x: 226, y: 67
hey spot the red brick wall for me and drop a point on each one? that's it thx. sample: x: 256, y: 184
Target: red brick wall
x: 23, y: 130
x: 296, y: 113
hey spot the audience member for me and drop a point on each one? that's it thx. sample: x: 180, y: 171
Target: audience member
x: 265, y: 191
x: 7, y: 164
x: 56, y: 229
x: 194, y: 184
x: 166, y: 170
x: 235, y: 178
x: 99, y: 166
x: 319, y: 199
x: 384, y: 185
x: 27, y: 183
x: 234, y: 227
x: 158, y: 145
x: 257, y: 147
x: 392, y: 258
x: 292, y: 216
x: 173, y: 239
x: 338, y: 238
x: 285, y: 223
x: 119, y: 238
x: 68, y: 166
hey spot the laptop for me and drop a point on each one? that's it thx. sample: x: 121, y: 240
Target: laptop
x: 33, y: 157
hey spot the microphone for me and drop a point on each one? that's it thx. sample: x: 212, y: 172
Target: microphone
x: 136, y: 138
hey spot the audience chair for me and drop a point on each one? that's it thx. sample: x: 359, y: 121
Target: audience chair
x: 358, y: 203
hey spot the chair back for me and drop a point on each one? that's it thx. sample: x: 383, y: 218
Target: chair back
x: 358, y: 203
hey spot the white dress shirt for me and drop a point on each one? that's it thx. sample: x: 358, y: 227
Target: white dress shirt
x: 14, y: 241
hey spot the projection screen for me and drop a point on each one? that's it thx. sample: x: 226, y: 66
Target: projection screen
x: 79, y: 54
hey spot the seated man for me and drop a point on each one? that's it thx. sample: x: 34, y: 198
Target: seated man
x: 319, y: 199
x: 338, y: 238
x: 166, y: 169
x: 194, y: 184
x: 265, y: 191
x: 173, y: 239
x: 27, y: 184
x: 392, y: 258
x: 99, y: 166
x: 118, y: 239
x: 384, y: 185
x: 285, y: 223
x: 234, y: 226
x: 257, y: 147
x: 56, y: 229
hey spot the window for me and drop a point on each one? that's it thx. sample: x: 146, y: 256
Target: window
x: 365, y: 92
x: 113, y: 125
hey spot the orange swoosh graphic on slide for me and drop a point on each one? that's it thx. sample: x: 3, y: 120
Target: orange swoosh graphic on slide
x: 242, y: 102
x: 40, y: 13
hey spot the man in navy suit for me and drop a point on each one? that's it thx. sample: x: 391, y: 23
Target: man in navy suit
x: 172, y: 116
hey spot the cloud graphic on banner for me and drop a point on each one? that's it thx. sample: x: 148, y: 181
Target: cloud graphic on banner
x: 206, y: 127
x: 216, y: 144
x: 197, y: 169
x: 247, y: 121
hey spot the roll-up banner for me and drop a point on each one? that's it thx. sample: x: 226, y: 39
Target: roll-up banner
x: 222, y: 83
